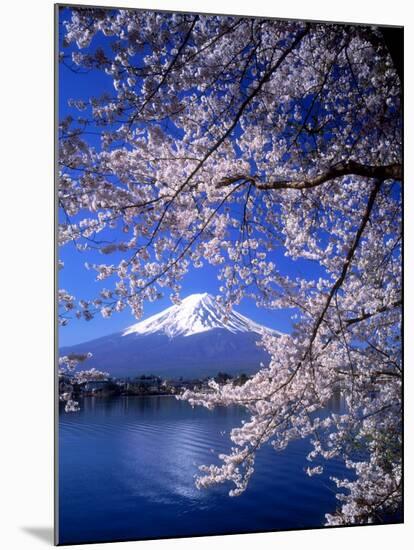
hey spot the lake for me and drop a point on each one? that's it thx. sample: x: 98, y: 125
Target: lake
x: 127, y: 469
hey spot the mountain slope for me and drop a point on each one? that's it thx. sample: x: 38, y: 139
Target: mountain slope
x: 196, y: 313
x: 192, y: 339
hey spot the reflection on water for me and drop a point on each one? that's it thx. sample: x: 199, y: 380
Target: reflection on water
x: 127, y: 469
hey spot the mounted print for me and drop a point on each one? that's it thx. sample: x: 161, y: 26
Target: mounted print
x: 229, y: 204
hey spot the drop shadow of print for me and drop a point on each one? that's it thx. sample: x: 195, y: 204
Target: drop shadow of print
x: 44, y: 534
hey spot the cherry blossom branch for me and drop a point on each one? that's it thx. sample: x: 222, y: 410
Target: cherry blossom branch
x: 265, y: 78
x: 348, y: 168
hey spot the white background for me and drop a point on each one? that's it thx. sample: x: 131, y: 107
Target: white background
x: 26, y: 259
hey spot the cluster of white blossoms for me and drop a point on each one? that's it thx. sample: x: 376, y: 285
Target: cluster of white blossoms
x: 69, y: 376
x: 260, y: 147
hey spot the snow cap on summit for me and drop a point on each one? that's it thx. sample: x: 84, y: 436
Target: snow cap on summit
x: 196, y: 313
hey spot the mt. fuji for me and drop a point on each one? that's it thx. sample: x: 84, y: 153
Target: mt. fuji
x: 193, y: 339
x: 196, y: 313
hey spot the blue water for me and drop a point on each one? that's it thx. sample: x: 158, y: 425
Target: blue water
x: 126, y: 472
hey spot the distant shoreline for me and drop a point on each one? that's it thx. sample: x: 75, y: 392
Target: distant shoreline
x: 128, y: 396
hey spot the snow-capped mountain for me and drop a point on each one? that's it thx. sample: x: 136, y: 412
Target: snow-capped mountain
x: 193, y: 339
x: 196, y: 313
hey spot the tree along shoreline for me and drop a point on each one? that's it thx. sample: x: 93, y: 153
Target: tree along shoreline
x: 146, y: 385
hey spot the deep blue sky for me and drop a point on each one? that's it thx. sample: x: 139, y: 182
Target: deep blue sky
x: 81, y: 282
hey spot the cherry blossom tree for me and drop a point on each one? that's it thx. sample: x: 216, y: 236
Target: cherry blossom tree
x: 234, y: 141
x: 69, y: 376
